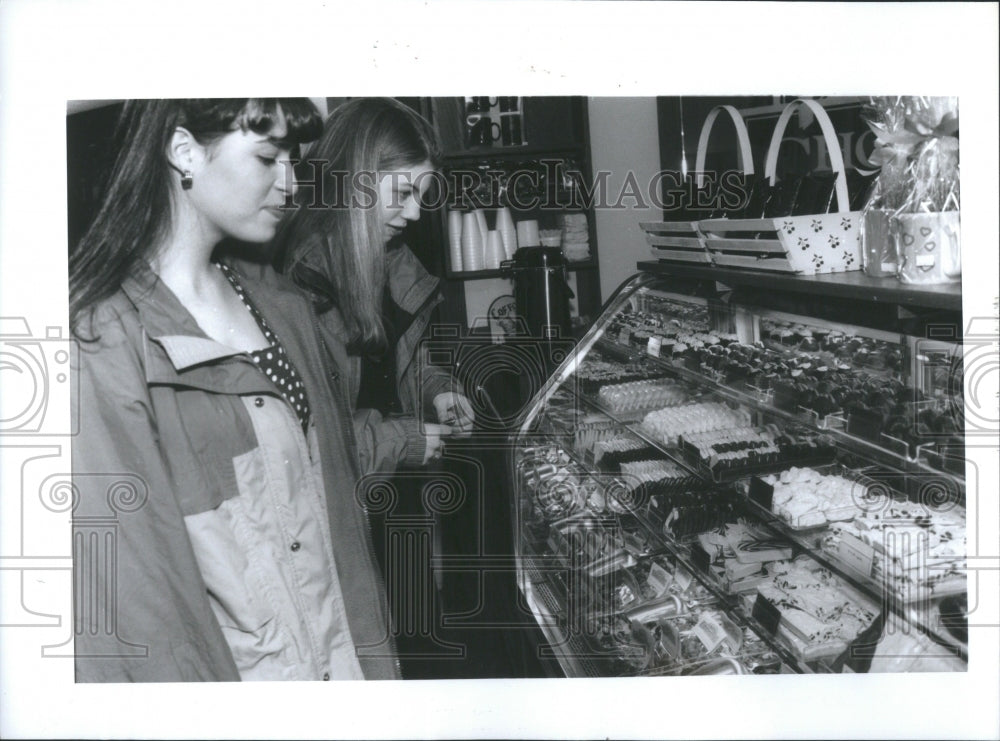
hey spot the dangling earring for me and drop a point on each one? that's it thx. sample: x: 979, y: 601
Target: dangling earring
x: 187, y: 179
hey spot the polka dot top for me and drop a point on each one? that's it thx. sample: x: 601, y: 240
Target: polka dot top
x: 272, y: 360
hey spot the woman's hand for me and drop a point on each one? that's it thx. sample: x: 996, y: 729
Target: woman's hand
x: 435, y: 434
x: 455, y: 411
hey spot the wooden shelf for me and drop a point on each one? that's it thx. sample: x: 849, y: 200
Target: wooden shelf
x: 512, y: 153
x: 852, y: 285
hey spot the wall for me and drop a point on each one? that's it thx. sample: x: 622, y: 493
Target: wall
x: 623, y: 139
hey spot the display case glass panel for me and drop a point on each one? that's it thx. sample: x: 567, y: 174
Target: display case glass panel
x: 677, y: 516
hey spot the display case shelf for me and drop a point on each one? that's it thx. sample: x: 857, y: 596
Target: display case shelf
x: 880, y: 453
x: 852, y: 285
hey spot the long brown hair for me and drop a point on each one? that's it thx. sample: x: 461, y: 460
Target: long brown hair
x: 134, y: 216
x: 334, y: 243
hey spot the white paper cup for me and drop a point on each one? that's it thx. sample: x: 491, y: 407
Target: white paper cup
x: 481, y: 221
x: 508, y: 232
x: 494, y: 250
x: 472, y: 243
x: 455, y: 239
x: 527, y: 233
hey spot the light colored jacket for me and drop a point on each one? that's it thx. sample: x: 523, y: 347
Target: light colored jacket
x: 387, y: 442
x: 160, y: 407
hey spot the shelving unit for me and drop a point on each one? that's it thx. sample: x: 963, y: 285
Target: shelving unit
x: 556, y: 128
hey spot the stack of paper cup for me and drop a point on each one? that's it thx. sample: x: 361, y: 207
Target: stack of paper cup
x: 505, y: 225
x: 575, y: 237
x: 527, y: 234
x: 494, y: 250
x: 472, y: 242
x: 481, y: 221
x: 455, y: 239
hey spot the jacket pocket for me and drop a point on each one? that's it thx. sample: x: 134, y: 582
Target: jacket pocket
x: 232, y: 556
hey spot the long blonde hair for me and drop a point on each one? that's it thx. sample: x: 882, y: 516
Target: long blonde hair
x: 334, y: 243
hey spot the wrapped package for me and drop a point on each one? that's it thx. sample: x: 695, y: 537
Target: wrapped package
x: 911, y: 226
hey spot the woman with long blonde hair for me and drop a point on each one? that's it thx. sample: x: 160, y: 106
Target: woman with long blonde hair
x: 345, y: 247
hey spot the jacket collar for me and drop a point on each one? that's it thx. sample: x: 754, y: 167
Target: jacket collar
x: 168, y: 323
x: 410, y: 285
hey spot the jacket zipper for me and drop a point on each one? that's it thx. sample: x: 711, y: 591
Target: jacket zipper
x: 348, y: 431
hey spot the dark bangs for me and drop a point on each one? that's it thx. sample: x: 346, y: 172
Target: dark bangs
x: 210, y: 118
x: 302, y: 120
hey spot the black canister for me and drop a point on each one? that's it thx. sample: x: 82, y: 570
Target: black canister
x: 541, y: 293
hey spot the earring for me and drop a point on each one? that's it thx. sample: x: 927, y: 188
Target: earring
x: 187, y: 180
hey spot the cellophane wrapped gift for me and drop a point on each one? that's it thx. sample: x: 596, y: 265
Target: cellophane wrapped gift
x: 911, y: 224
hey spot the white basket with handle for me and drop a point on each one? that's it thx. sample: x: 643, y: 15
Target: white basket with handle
x: 809, y: 245
x: 675, y: 240
x: 743, y: 151
x: 682, y: 240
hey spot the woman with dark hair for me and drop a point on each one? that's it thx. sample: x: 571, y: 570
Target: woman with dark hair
x: 373, y: 295
x: 243, y: 553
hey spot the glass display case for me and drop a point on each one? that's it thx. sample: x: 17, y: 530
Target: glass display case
x: 709, y: 486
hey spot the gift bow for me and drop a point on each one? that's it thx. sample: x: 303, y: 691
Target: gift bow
x: 896, y: 147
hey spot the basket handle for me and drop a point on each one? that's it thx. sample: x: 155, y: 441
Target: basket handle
x: 832, y: 146
x: 742, y: 138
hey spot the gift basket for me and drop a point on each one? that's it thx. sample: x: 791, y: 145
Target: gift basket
x: 682, y: 240
x: 910, y: 227
x: 676, y: 240
x: 798, y: 233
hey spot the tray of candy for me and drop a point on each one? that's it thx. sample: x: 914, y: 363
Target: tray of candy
x: 878, y: 352
x: 690, y: 514
x: 840, y: 494
x: 812, y: 611
x: 758, y: 450
x: 632, y: 454
x: 596, y: 433
x: 734, y: 557
x: 664, y: 641
x: 911, y: 552
x: 559, y: 487
x: 691, y: 639
x: 595, y: 373
x: 804, y: 650
x: 631, y: 400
